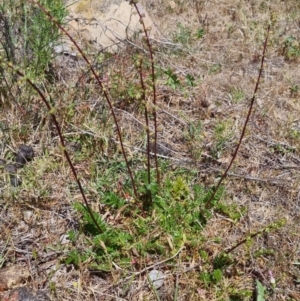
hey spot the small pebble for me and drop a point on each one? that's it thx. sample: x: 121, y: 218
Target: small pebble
x: 157, y: 278
x: 27, y: 215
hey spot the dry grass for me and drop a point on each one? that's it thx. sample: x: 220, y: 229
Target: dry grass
x: 198, y: 129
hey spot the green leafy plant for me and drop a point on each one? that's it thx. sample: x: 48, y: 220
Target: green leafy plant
x: 190, y: 79
x: 222, y: 261
x: 233, y: 211
x: 194, y: 137
x: 172, y: 79
x: 260, y: 291
x: 211, y: 278
x: 41, y: 36
x: 32, y: 47
x: 215, y: 68
x: 200, y: 33
x: 222, y: 135
x: 174, y: 221
x: 294, y: 89
x: 182, y: 35
x: 291, y: 48
x: 237, y: 95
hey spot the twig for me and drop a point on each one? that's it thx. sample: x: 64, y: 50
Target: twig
x: 144, y: 270
x: 134, y: 118
x: 158, y: 263
x: 274, y: 181
x: 176, y: 288
x: 244, y: 240
x: 274, y: 142
x: 176, y: 118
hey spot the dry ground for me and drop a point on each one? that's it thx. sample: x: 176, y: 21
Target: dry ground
x: 35, y: 218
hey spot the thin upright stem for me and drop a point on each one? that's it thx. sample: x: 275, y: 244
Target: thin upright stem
x: 245, y: 124
x: 140, y: 65
x: 51, y: 111
x: 147, y: 39
x: 105, y: 93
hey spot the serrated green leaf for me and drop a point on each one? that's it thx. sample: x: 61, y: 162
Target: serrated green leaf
x: 260, y: 289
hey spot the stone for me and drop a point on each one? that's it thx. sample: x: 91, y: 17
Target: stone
x: 103, y: 25
x: 25, y: 294
x: 157, y: 278
x: 24, y: 155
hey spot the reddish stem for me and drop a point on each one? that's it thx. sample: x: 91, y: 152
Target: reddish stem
x: 153, y: 88
x: 245, y: 124
x: 62, y: 141
x: 140, y: 63
x: 106, y: 95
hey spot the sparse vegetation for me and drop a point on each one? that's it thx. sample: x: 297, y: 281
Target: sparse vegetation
x: 133, y: 150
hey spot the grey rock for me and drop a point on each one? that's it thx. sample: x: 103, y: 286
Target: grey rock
x: 26, y: 294
x: 24, y: 155
x: 157, y: 278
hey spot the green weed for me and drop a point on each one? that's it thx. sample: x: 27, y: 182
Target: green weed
x: 190, y: 80
x: 260, y: 291
x: 236, y: 95
x: 294, y: 89
x: 222, y: 134
x: 173, y: 223
x: 182, y: 35
x: 215, y: 68
x: 291, y: 48
x: 200, y: 33
x: 32, y: 46
x: 172, y: 79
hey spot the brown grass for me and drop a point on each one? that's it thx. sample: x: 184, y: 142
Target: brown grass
x: 35, y: 218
